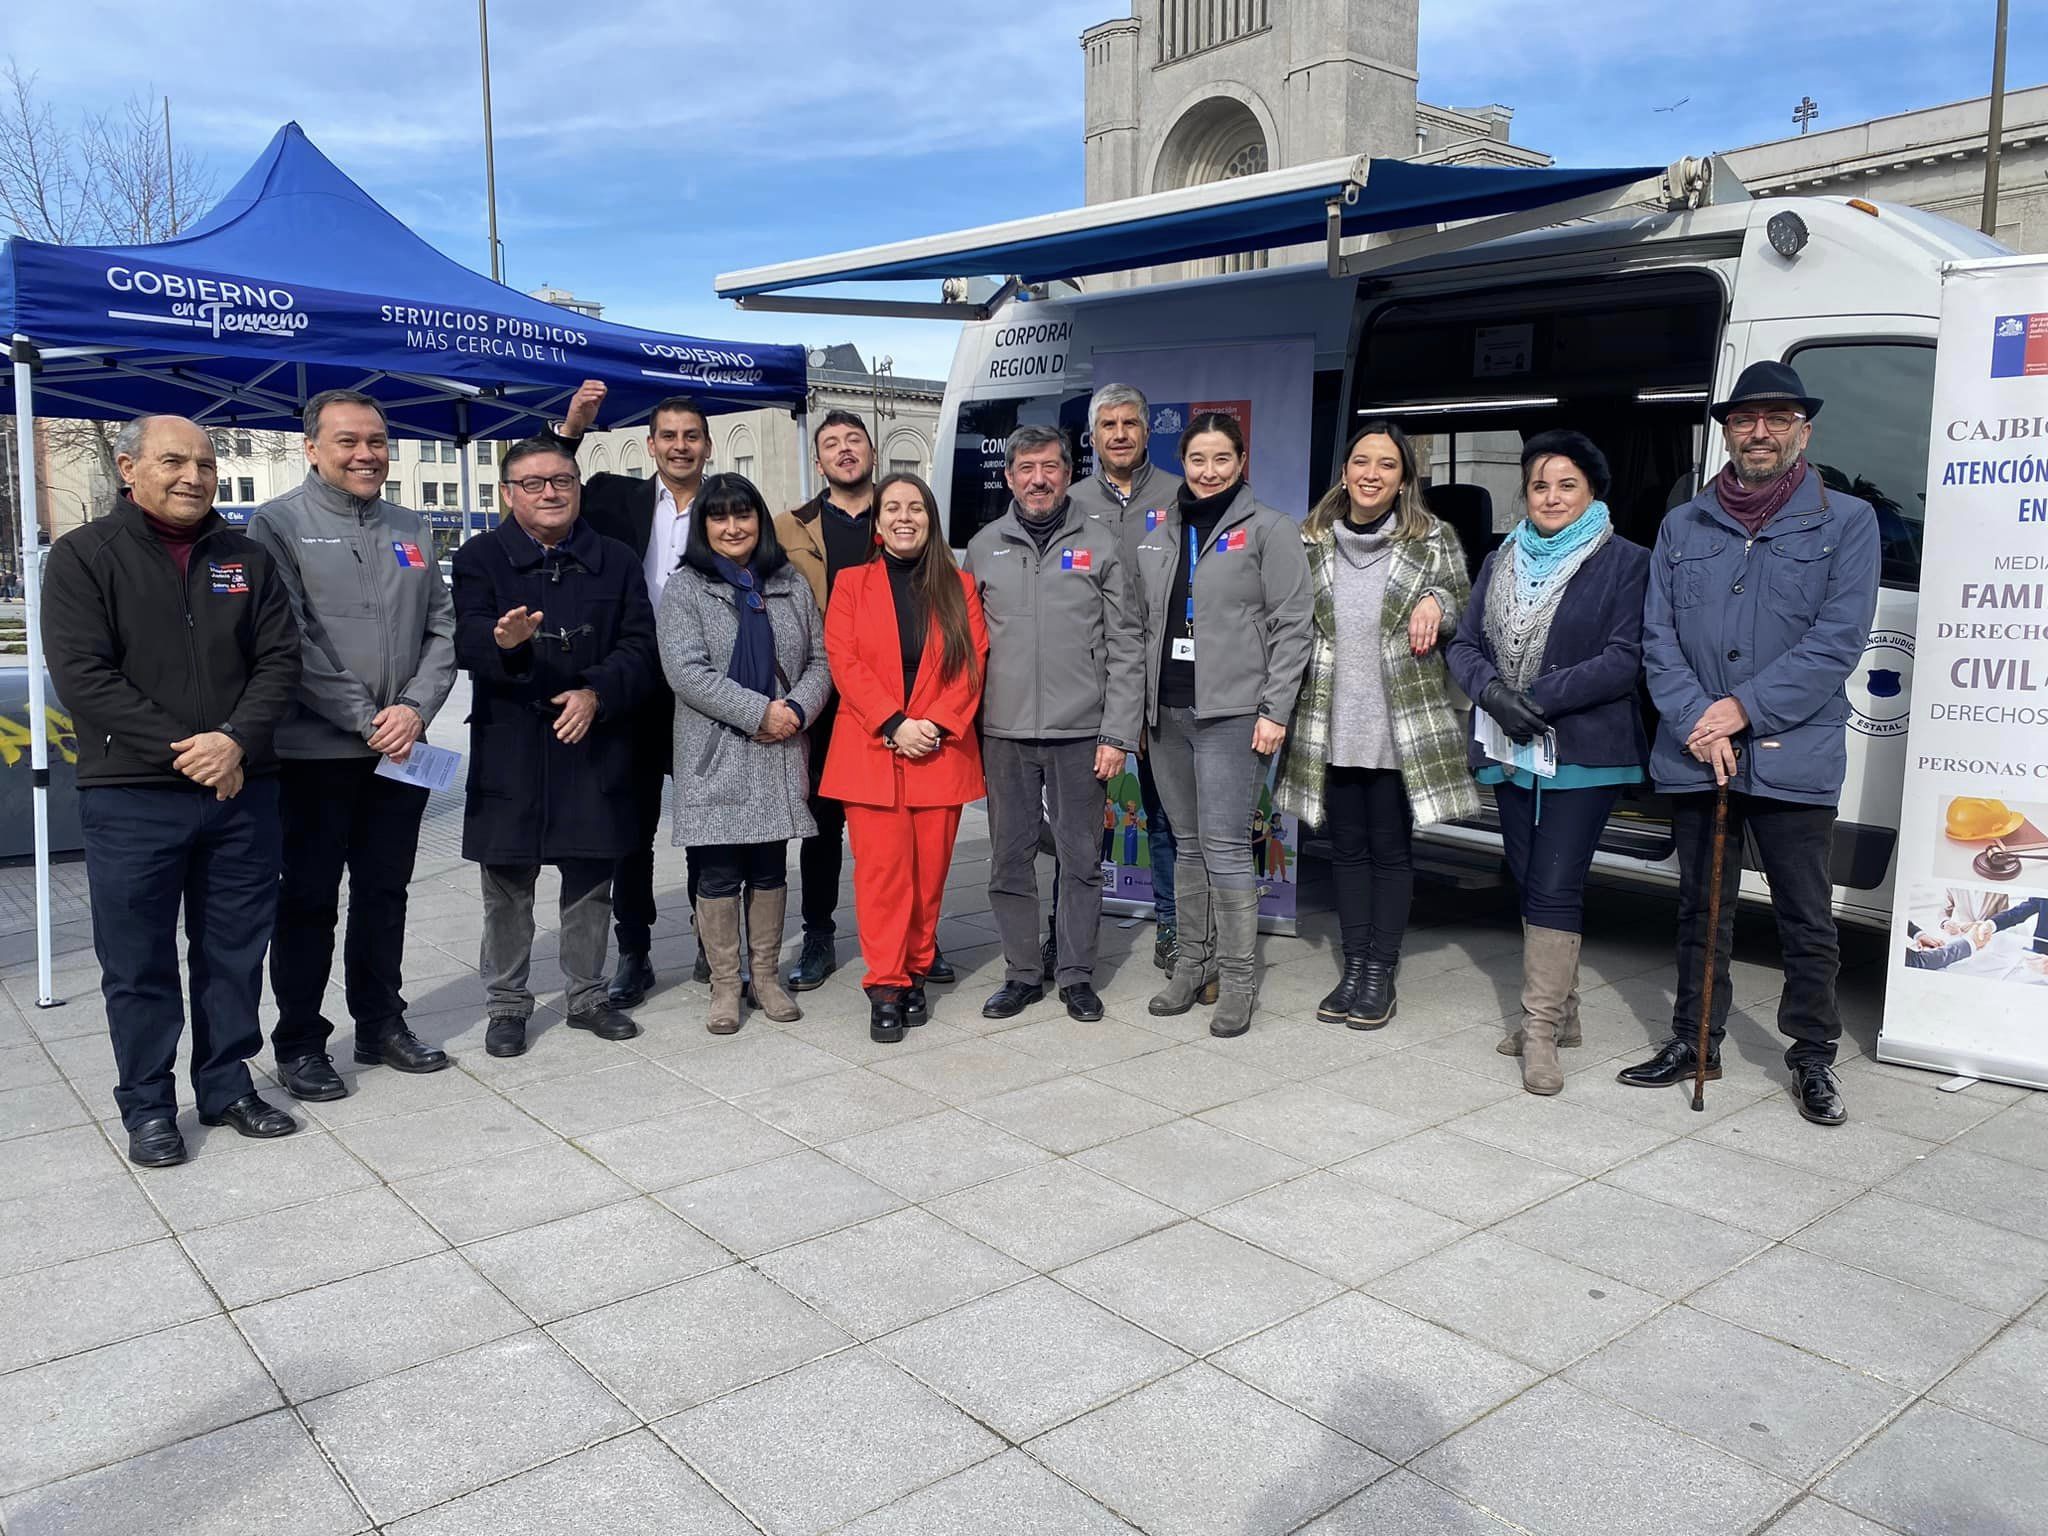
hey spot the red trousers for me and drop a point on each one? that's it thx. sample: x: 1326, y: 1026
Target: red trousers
x: 900, y: 859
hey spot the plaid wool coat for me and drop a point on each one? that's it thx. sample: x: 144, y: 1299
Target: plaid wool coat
x: 1429, y: 731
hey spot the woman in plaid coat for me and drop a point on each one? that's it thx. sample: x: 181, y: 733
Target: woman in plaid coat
x: 1377, y: 744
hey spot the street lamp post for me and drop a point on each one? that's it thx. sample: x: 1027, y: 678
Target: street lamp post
x: 1997, y: 126
x: 483, y: 29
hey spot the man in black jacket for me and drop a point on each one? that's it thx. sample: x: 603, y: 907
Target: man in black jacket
x: 171, y: 640
x: 651, y: 518
x: 553, y: 625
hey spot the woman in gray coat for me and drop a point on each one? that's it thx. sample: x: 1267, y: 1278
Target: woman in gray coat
x: 744, y: 650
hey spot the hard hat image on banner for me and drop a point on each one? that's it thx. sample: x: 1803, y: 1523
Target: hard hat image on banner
x: 1975, y: 820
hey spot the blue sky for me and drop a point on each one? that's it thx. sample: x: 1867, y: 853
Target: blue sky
x: 644, y: 147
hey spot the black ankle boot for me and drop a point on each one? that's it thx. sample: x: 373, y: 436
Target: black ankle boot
x: 885, y: 1016
x: 1336, y: 1008
x: 1374, y: 1004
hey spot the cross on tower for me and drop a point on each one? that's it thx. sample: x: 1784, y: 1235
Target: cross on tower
x: 1805, y: 112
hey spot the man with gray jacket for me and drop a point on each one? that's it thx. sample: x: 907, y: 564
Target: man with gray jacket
x: 377, y: 627
x: 1127, y: 484
x: 1059, y: 711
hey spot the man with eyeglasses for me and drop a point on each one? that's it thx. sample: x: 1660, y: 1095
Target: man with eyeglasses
x: 1762, y: 590
x: 553, y: 625
x: 652, y: 519
x: 378, y: 632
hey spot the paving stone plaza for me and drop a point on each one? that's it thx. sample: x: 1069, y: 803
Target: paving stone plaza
x: 1035, y: 1277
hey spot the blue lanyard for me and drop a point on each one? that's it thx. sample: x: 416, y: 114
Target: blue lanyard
x: 1194, y: 549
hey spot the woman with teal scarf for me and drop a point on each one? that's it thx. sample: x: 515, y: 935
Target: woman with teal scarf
x: 1558, y: 647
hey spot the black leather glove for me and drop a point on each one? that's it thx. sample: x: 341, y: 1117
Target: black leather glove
x: 1517, y: 713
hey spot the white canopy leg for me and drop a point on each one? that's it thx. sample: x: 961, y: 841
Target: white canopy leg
x: 31, y: 591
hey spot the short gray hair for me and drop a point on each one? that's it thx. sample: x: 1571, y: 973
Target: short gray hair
x: 1118, y: 394
x: 328, y: 397
x: 128, y: 441
x: 1024, y: 439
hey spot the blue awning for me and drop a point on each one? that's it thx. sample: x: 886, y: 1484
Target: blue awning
x: 299, y: 281
x: 1273, y: 209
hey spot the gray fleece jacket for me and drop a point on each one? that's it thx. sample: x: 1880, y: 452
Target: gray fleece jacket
x: 376, y: 621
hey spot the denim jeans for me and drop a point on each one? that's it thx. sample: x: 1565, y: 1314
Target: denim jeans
x: 1549, y: 836
x: 1792, y: 841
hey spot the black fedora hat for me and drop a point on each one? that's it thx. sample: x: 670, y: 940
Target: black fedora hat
x: 1766, y: 381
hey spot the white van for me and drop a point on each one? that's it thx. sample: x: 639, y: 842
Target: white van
x: 1624, y: 328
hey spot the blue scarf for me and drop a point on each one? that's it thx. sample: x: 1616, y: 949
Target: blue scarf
x: 1530, y: 576
x: 753, y: 652
x: 1538, y: 556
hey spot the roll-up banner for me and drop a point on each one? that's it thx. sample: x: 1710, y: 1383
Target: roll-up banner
x: 1967, y: 985
x: 1269, y: 387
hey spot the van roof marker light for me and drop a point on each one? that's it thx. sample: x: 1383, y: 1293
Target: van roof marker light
x: 1862, y: 207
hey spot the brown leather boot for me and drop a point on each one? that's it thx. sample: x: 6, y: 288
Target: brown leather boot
x: 765, y: 910
x: 718, y: 935
x: 1550, y: 957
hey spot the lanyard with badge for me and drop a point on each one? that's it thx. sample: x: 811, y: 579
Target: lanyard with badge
x: 1183, y: 648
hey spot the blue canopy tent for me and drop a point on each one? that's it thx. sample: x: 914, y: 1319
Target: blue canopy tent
x: 299, y: 281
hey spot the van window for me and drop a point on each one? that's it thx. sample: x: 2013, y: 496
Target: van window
x: 979, y: 494
x: 1871, y: 437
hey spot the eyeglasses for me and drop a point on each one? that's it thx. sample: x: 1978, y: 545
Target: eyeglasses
x: 1780, y: 422
x: 533, y: 485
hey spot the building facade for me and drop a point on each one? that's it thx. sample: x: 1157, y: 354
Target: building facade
x: 1931, y: 159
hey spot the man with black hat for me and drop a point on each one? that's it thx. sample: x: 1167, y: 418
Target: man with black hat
x: 1762, y: 590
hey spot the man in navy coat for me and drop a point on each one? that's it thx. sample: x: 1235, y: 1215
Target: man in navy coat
x: 1762, y: 590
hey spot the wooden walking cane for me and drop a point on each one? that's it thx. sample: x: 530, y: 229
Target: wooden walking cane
x: 1699, y: 1067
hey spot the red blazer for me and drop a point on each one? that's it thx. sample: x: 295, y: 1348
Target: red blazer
x: 866, y: 655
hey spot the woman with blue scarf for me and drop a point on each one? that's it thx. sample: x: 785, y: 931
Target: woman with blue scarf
x: 744, y: 650
x: 1559, y: 648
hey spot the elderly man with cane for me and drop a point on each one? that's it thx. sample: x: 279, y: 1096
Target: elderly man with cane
x: 1762, y: 589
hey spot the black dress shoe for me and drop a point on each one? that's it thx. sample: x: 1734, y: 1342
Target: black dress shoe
x: 604, y: 1021
x: 1011, y: 999
x: 632, y: 979
x: 885, y: 1016
x: 506, y: 1035
x: 402, y: 1051
x: 1673, y: 1064
x: 252, y: 1115
x: 312, y: 1077
x: 941, y: 971
x: 818, y: 960
x: 1820, y: 1096
x: 156, y: 1144
x: 916, y: 1009
x: 1374, y: 1005
x: 1049, y: 957
x: 1082, y: 1003
x: 1337, y: 1006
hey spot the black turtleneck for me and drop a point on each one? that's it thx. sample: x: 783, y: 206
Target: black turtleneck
x: 911, y: 625
x: 849, y: 538
x: 1043, y: 530
x: 1374, y: 526
x: 1201, y: 514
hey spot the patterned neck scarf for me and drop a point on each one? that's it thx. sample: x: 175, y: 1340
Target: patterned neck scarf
x: 1529, y: 580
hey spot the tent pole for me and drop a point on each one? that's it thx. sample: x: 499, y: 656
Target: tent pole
x: 31, y: 591
x: 467, y: 515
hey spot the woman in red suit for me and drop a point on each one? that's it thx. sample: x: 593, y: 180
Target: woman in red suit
x: 907, y: 647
